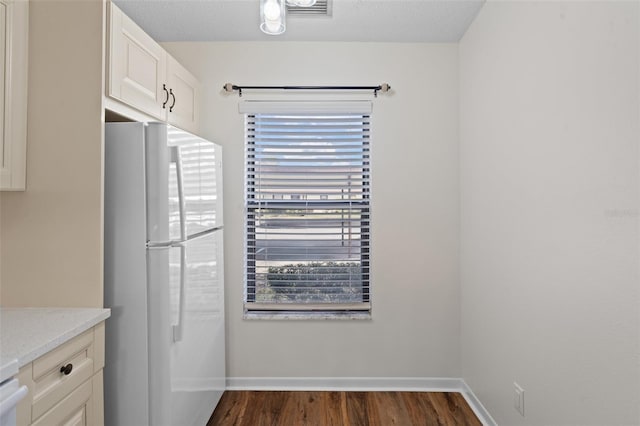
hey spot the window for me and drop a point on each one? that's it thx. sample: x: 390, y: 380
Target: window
x: 307, y: 194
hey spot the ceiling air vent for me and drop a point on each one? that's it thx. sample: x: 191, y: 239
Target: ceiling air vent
x: 320, y: 8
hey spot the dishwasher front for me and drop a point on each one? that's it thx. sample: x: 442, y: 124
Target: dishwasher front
x: 11, y: 393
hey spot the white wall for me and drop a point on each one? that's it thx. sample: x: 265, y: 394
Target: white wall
x: 549, y: 210
x: 51, y: 234
x: 415, y: 326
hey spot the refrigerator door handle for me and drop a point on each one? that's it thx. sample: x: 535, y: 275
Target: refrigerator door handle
x: 159, y: 245
x: 196, y: 236
x: 176, y: 158
x: 177, y: 328
x: 181, y: 243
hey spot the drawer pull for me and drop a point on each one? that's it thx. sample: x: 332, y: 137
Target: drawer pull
x: 66, y: 369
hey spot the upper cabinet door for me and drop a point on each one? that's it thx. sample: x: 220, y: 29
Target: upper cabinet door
x: 14, y: 32
x: 183, y: 111
x: 137, y: 66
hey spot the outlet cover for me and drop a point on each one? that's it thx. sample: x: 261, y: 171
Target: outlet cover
x: 518, y: 398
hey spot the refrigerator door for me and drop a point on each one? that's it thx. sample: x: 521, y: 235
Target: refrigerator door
x: 125, y: 276
x: 184, y: 175
x: 186, y: 309
x: 160, y: 337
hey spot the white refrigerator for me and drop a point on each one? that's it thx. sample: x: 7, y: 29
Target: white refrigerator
x: 163, y: 276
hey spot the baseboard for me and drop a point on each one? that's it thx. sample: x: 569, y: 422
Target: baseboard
x: 477, y: 406
x: 355, y: 384
x: 365, y: 384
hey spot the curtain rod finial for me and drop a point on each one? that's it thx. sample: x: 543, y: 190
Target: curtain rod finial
x: 228, y: 87
x: 384, y: 87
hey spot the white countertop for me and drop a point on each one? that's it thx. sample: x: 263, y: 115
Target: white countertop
x: 28, y: 333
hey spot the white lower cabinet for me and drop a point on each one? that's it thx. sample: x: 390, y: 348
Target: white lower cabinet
x: 75, y: 409
x: 65, y: 384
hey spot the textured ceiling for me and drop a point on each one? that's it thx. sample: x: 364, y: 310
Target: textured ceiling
x: 352, y: 20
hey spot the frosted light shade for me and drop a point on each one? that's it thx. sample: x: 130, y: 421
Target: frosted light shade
x: 272, y: 16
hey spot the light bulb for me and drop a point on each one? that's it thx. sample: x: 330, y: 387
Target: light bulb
x: 271, y: 10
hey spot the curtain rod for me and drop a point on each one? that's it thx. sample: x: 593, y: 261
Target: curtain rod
x: 384, y: 87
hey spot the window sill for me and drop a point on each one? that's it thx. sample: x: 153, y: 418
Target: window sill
x: 307, y: 315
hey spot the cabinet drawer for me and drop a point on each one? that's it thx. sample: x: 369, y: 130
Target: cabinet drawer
x: 50, y: 384
x: 75, y: 409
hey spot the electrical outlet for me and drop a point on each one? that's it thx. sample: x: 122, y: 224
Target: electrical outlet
x: 518, y: 398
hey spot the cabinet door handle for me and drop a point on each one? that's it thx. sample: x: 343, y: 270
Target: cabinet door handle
x: 174, y: 100
x: 66, y: 369
x: 164, y: 104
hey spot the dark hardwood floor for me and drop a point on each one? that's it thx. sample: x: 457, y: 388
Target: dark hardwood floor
x: 271, y: 408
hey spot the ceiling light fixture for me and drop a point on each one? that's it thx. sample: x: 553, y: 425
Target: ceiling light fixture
x: 273, y: 14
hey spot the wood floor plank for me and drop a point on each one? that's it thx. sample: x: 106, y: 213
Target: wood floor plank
x: 265, y: 409
x: 277, y: 408
x: 230, y: 409
x: 464, y: 413
x: 449, y: 406
x: 302, y: 408
x: 388, y: 409
x: 333, y: 408
x: 421, y: 410
x: 357, y: 408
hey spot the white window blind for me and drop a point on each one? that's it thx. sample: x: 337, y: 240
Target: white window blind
x: 307, y: 210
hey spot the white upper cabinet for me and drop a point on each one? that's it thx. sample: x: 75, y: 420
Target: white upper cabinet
x: 14, y: 32
x: 137, y: 66
x: 142, y: 75
x: 183, y: 90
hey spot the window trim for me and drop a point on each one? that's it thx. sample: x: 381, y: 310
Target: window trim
x: 257, y: 310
